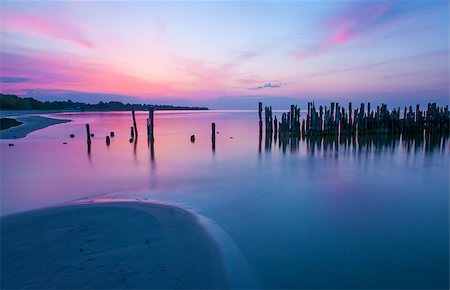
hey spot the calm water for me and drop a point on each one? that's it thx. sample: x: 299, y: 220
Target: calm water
x: 307, y: 214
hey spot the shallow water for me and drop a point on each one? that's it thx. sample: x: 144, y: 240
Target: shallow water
x: 368, y: 213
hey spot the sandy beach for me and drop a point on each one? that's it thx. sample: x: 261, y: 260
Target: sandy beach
x: 109, y: 245
x: 30, y: 124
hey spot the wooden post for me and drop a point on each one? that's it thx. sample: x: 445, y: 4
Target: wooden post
x: 150, y: 123
x: 275, y: 125
x: 108, y: 140
x: 213, y: 136
x: 131, y: 133
x: 88, y: 134
x: 260, y: 111
x: 260, y: 116
x: 134, y: 123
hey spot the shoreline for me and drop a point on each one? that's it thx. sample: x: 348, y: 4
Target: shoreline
x: 29, y: 124
x: 109, y: 244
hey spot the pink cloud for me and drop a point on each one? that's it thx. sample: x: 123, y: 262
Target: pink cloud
x: 69, y: 73
x: 359, y: 20
x: 45, y: 25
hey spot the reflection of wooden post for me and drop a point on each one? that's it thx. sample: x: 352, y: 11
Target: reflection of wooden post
x: 152, y: 150
x: 134, y: 123
x: 131, y: 133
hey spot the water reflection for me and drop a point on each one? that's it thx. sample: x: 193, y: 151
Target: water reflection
x: 151, y: 145
x: 367, y: 195
x: 427, y: 143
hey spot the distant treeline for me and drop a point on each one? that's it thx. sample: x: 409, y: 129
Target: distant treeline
x: 12, y: 102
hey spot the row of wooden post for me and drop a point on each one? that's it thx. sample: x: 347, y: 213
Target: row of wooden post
x: 150, y: 131
x: 336, y: 120
x: 133, y: 130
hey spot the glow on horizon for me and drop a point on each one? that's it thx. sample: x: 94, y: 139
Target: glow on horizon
x: 207, y: 50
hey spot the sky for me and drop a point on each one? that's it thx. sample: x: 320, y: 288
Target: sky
x: 226, y: 54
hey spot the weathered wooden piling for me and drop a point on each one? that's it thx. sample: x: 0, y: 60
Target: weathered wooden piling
x: 108, y: 141
x: 260, y: 112
x: 134, y: 123
x: 213, y: 136
x: 275, y: 126
x: 131, y: 133
x: 150, y: 124
x: 193, y: 138
x: 88, y: 134
x: 336, y: 120
x: 111, y: 134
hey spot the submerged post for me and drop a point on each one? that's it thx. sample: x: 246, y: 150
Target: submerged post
x: 134, y: 123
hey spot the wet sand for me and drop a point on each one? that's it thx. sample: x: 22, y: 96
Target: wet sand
x: 109, y: 245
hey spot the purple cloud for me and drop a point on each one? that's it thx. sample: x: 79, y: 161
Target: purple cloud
x: 267, y: 86
x: 13, y: 80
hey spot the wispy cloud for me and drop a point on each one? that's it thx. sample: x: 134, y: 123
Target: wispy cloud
x: 267, y: 86
x: 13, y: 80
x: 359, y: 19
x: 443, y: 53
x: 43, y: 24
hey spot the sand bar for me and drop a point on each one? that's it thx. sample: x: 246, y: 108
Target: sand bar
x: 109, y: 245
x: 30, y: 124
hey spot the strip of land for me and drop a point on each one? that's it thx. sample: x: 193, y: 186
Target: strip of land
x: 109, y: 245
x: 29, y: 124
x: 6, y: 123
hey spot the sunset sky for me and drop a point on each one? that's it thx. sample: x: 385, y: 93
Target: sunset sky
x: 226, y: 54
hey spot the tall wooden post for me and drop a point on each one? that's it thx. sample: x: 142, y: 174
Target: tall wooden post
x: 88, y: 134
x: 213, y: 136
x: 150, y: 123
x: 260, y: 117
x: 260, y: 111
x: 275, y: 125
